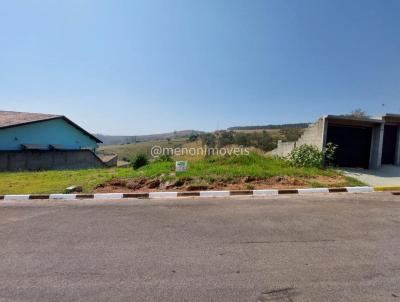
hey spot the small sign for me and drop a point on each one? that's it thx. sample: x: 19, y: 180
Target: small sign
x: 181, y: 166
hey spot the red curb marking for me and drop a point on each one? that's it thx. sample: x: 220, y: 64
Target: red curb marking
x: 337, y: 190
x: 135, y: 195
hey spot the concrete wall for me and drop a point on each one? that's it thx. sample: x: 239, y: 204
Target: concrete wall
x: 375, y: 159
x: 48, y: 160
x: 57, y: 132
x: 313, y: 135
x: 283, y: 148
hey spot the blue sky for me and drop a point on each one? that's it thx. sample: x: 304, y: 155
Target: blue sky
x: 137, y: 67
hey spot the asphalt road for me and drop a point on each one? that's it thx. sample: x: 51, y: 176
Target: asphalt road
x: 287, y: 248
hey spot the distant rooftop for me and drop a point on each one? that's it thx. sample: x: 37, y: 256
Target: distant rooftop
x: 12, y: 118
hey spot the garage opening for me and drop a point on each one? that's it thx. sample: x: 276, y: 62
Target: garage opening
x: 354, y: 145
x: 389, y: 145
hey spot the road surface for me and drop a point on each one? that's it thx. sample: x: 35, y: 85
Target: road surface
x: 336, y: 247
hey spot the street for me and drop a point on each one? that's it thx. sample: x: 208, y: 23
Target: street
x: 321, y: 247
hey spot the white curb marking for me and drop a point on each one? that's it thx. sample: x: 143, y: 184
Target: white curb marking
x: 16, y: 197
x: 313, y: 190
x: 163, y: 194
x: 214, y: 193
x: 360, y: 189
x: 108, y: 196
x: 63, y: 196
x: 265, y: 192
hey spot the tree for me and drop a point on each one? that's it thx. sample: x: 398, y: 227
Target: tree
x: 358, y: 113
x: 291, y: 134
x: 140, y: 161
x: 193, y: 137
x: 208, y: 139
x: 225, y: 138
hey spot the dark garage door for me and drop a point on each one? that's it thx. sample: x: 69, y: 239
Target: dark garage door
x: 354, y: 144
x: 389, y: 145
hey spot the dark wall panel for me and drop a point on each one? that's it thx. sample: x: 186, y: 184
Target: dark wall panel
x: 389, y: 145
x: 354, y: 145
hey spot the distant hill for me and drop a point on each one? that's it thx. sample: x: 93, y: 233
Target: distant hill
x: 271, y: 127
x: 124, y: 139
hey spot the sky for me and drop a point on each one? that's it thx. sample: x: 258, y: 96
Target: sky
x: 151, y: 66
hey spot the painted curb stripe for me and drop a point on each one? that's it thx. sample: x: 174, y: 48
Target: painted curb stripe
x: 313, y: 190
x: 63, y: 196
x: 288, y: 191
x: 163, y: 194
x: 337, y: 190
x: 16, y: 197
x: 265, y: 192
x: 268, y: 192
x: 189, y: 194
x: 241, y: 192
x: 135, y: 195
x: 108, y: 196
x: 39, y: 196
x: 387, y: 188
x: 214, y: 193
x: 84, y: 196
x: 359, y: 189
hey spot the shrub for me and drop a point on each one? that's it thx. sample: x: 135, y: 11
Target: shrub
x: 311, y: 156
x: 140, y: 161
x: 192, y: 137
x: 329, y: 153
x: 208, y: 139
x: 264, y: 141
x: 306, y: 156
x: 164, y: 158
x: 225, y: 138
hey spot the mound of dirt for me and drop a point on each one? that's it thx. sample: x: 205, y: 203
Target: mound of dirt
x: 245, y: 183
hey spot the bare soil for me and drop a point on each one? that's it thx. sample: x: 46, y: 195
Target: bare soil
x: 246, y: 183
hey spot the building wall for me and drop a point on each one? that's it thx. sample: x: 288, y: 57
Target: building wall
x: 30, y: 160
x: 375, y: 160
x: 283, y: 148
x: 313, y: 135
x: 56, y: 131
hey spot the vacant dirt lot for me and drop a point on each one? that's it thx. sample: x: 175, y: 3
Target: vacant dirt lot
x: 285, y: 248
x: 245, y: 183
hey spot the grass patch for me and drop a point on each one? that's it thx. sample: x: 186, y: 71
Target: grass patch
x: 205, y: 170
x: 129, y: 151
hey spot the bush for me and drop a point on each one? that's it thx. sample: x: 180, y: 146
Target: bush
x: 306, y: 156
x: 192, y: 137
x: 311, y: 156
x: 329, y: 153
x: 164, y: 158
x: 208, y: 139
x: 140, y: 161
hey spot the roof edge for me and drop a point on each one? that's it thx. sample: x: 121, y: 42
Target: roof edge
x: 63, y: 117
x: 350, y: 118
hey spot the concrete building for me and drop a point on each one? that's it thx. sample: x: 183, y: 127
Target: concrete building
x: 32, y: 141
x: 362, y: 142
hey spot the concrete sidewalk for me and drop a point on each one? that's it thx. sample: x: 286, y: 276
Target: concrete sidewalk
x: 387, y: 175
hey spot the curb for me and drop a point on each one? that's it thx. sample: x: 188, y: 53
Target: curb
x: 157, y: 195
x: 387, y: 188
